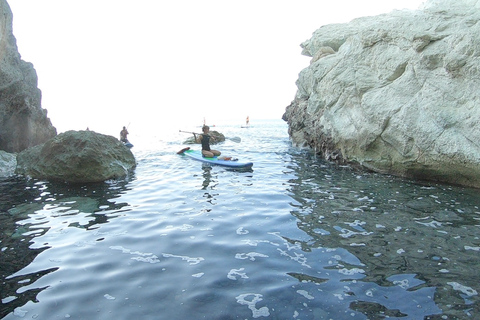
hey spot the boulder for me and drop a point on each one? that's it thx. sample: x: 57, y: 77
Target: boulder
x: 77, y: 157
x: 8, y: 163
x: 217, y: 138
x: 396, y: 93
x: 23, y: 122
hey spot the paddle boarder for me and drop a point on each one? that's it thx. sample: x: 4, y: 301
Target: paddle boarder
x: 204, y: 139
x: 123, y: 135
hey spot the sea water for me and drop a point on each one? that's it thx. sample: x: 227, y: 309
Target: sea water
x: 295, y: 237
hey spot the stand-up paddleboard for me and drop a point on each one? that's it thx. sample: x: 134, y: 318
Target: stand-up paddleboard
x: 197, y: 155
x: 128, y: 144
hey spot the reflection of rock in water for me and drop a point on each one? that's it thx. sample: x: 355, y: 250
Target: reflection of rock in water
x: 393, y: 227
x: 375, y: 310
x: 30, y: 209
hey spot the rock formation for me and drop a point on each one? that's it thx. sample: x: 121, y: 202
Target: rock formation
x: 23, y: 122
x: 396, y: 93
x: 77, y: 157
x: 217, y: 138
x: 8, y: 163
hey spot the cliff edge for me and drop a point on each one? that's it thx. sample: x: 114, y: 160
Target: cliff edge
x: 397, y: 93
x: 23, y: 122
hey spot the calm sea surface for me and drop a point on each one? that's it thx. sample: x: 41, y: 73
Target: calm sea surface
x: 293, y: 238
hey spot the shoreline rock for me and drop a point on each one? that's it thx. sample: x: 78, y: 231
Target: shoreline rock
x: 77, y: 157
x: 396, y: 93
x: 23, y: 122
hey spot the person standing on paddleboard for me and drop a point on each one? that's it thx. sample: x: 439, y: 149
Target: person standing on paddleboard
x: 123, y: 135
x: 204, y: 139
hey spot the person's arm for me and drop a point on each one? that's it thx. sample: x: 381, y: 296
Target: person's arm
x: 197, y: 138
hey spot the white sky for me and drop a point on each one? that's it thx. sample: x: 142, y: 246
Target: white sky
x: 104, y: 64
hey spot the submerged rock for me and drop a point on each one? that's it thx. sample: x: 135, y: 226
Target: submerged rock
x: 77, y: 157
x: 23, y: 122
x: 396, y: 93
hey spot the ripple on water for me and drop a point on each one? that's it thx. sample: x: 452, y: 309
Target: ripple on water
x: 295, y: 238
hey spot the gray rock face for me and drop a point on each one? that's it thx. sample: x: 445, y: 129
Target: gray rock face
x: 8, y: 163
x: 77, y: 157
x: 23, y: 123
x: 396, y: 93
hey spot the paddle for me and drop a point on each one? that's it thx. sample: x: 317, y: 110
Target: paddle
x: 234, y: 139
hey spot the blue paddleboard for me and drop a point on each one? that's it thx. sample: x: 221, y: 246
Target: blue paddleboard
x: 197, y: 155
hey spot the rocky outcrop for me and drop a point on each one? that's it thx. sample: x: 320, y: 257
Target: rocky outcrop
x: 77, y: 157
x: 23, y: 122
x: 8, y: 163
x: 217, y: 138
x: 397, y: 93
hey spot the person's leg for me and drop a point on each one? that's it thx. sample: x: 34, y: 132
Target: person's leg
x: 216, y: 152
x: 207, y: 154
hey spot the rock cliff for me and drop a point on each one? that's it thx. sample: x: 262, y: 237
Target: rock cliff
x: 23, y: 122
x: 397, y: 93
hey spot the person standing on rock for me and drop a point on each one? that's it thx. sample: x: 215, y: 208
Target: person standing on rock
x: 204, y: 139
x: 123, y: 135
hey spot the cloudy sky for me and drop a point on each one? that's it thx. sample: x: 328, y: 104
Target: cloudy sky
x: 103, y: 64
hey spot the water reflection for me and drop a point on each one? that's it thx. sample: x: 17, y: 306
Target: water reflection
x: 37, y: 210
x: 207, y: 177
x: 411, y: 241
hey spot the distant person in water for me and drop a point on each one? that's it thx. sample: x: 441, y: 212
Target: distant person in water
x: 123, y: 135
x: 248, y: 120
x: 204, y: 139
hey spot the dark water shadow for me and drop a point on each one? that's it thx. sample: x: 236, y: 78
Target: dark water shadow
x: 420, y: 236
x: 24, y: 209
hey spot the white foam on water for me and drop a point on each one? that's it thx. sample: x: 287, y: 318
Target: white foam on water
x: 464, y: 289
x: 256, y: 313
x: 241, y: 230
x: 198, y: 275
x: 351, y: 272
x: 305, y: 294
x: 233, y: 273
x: 472, y: 248
x: 345, y: 233
x: 355, y: 223
x: 250, y: 255
x: 190, y: 260
x: 433, y: 224
x: 139, y: 256
x: 300, y: 258
x: 255, y: 243
x: 402, y: 283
